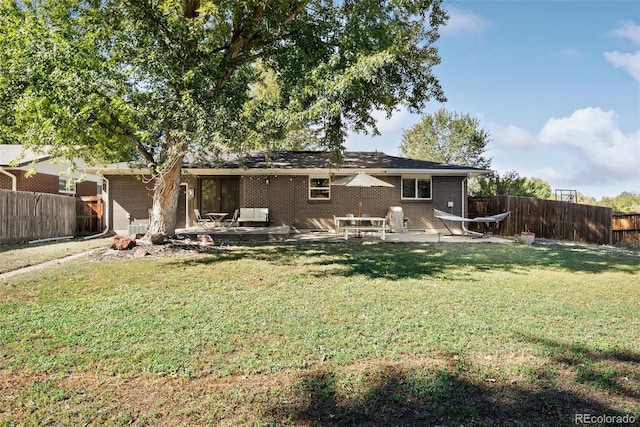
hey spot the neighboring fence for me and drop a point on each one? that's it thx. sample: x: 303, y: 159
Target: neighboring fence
x: 28, y: 216
x: 89, y: 211
x: 548, y: 219
x: 626, y: 228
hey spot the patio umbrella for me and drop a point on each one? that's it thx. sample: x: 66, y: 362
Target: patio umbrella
x: 361, y: 180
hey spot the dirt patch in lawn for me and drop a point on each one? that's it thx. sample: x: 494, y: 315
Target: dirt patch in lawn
x: 170, y: 248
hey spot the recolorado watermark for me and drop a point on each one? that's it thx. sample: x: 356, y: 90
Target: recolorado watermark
x: 627, y: 419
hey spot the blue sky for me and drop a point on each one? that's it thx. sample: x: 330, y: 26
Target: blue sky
x: 556, y: 84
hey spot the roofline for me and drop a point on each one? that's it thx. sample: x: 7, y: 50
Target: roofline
x: 289, y: 172
x: 26, y: 155
x: 25, y: 162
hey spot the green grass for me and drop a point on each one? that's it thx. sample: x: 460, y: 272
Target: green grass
x: 13, y: 257
x: 325, y: 334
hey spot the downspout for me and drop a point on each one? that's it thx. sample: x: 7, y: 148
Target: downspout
x: 14, y: 179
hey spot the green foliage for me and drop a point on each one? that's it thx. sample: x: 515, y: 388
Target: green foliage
x: 156, y: 81
x: 510, y: 184
x: 537, y: 187
x: 447, y: 137
x: 110, y: 77
x: 624, y: 202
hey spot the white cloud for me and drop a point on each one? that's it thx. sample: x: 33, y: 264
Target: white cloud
x: 585, y: 151
x: 629, y: 62
x: 593, y: 134
x: 511, y: 137
x: 464, y: 23
x: 628, y: 30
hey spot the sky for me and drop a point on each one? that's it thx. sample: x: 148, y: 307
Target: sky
x: 555, y: 83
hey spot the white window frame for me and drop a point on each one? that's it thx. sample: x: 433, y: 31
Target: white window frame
x: 62, y: 186
x: 327, y: 188
x: 416, y: 179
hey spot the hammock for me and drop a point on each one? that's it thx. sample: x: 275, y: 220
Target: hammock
x: 442, y: 216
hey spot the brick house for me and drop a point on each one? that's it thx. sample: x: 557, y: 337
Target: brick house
x: 24, y: 170
x: 296, y: 187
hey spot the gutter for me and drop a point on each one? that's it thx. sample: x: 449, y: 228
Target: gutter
x: 14, y: 179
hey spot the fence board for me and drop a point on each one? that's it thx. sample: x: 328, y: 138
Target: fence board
x: 89, y: 213
x: 550, y: 219
x: 28, y: 216
x: 626, y: 228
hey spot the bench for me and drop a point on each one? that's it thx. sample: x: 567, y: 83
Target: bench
x: 254, y: 215
x: 363, y: 229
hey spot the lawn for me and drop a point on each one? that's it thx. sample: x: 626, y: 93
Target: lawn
x: 13, y: 257
x: 323, y: 334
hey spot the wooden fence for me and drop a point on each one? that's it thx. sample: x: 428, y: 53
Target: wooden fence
x: 626, y: 228
x: 89, y: 211
x: 548, y: 219
x: 28, y: 216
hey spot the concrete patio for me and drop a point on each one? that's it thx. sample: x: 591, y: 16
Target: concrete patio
x: 408, y: 236
x: 284, y: 233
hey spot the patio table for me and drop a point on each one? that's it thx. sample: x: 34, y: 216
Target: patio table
x: 216, y: 218
x: 360, y: 224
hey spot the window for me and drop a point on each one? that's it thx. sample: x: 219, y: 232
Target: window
x: 65, y: 187
x: 319, y: 188
x: 416, y: 188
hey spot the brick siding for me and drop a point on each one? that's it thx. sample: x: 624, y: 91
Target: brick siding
x: 86, y: 188
x: 38, y: 183
x: 129, y: 194
x: 288, y: 201
x: 44, y: 183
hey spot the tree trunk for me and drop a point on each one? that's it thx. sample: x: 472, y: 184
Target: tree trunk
x: 165, y: 199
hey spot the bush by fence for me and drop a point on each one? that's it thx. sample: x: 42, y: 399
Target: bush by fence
x: 28, y: 216
x: 548, y: 219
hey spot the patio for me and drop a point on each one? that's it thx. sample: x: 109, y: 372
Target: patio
x: 284, y: 233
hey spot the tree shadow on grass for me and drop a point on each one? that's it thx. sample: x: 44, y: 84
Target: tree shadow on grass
x: 612, y: 371
x: 418, y: 260
x: 422, y: 397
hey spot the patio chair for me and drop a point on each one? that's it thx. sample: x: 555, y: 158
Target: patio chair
x: 350, y: 222
x: 233, y: 221
x: 200, y: 221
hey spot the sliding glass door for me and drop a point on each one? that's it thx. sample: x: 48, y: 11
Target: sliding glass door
x: 219, y: 194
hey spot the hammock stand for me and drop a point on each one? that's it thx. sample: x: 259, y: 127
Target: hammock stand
x: 443, y: 216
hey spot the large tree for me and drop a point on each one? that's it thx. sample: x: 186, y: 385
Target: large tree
x: 447, y: 137
x: 510, y: 183
x: 156, y: 80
